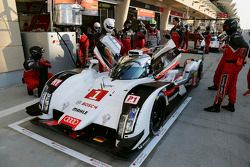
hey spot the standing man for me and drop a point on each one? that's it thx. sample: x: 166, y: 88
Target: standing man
x: 153, y: 36
x: 186, y: 37
x: 207, y: 35
x: 126, y: 36
x: 140, y: 36
x: 176, y: 33
x: 196, y: 36
x: 233, y: 57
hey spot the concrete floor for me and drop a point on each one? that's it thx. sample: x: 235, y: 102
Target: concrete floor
x: 196, y: 139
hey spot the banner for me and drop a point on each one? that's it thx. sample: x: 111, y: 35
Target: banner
x: 143, y: 14
x: 222, y: 15
x: 90, y: 7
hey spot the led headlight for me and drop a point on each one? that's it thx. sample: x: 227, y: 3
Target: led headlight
x: 131, y: 120
x: 127, y: 122
x: 121, y: 126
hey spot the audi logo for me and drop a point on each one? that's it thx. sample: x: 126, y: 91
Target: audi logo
x: 70, y: 120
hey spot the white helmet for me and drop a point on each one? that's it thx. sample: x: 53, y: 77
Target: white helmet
x: 97, y: 27
x: 109, y: 24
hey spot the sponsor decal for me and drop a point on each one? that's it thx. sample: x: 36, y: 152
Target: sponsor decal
x: 80, y: 111
x: 96, y: 95
x: 89, y: 105
x: 70, y: 121
x: 132, y: 99
x: 65, y: 105
x: 106, y: 118
x: 56, y: 82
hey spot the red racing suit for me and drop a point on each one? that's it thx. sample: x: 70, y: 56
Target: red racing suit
x: 231, y: 64
x: 32, y: 74
x: 186, y: 39
x: 196, y: 36
x: 208, y: 37
x: 126, y: 37
x: 177, y: 35
x: 140, y: 38
x: 84, y: 49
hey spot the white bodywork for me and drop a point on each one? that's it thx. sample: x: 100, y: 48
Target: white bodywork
x: 92, y: 97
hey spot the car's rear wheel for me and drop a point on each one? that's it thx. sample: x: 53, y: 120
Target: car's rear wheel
x: 157, y: 114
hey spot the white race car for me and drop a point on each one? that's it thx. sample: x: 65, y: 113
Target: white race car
x: 127, y: 103
x: 215, y: 43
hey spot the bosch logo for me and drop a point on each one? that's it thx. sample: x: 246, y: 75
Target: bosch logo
x: 80, y: 111
x: 71, y: 120
x: 89, y: 105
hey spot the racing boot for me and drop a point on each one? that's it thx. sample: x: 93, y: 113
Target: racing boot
x: 213, y: 87
x: 229, y: 107
x: 213, y: 108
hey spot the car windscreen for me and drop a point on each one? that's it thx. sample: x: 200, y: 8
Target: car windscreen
x: 128, y: 70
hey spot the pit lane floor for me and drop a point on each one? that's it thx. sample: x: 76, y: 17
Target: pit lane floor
x: 197, y: 138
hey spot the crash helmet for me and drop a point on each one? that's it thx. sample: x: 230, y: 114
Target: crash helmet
x: 127, y: 24
x: 152, y: 23
x: 109, y: 25
x: 36, y: 52
x: 97, y: 27
x: 230, y: 26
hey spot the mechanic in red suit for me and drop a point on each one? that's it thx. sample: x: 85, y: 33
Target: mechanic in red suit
x: 196, y: 36
x: 176, y: 33
x: 186, y: 37
x: 207, y: 35
x: 126, y: 36
x: 140, y: 38
x: 36, y: 70
x: 83, y: 50
x: 233, y: 57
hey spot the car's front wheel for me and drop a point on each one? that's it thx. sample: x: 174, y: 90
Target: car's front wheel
x: 157, y: 114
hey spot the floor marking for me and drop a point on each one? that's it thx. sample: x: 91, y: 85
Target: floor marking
x: 136, y: 163
x: 56, y: 145
x: 17, y: 108
x: 146, y: 151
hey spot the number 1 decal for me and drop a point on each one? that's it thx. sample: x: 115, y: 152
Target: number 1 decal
x: 96, y: 95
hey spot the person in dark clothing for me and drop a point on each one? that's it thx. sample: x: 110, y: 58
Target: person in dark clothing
x: 36, y: 70
x: 233, y: 61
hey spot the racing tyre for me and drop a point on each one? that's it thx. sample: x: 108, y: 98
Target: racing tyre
x: 157, y: 114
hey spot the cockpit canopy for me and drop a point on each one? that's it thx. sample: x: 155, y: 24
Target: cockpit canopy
x: 131, y: 67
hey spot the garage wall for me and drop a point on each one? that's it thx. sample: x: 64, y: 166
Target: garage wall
x: 11, y: 50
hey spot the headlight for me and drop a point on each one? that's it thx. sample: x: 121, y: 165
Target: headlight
x: 131, y: 120
x: 127, y: 122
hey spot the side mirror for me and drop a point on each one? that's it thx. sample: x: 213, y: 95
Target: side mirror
x: 93, y: 62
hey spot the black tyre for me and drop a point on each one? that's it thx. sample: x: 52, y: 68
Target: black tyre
x: 157, y: 114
